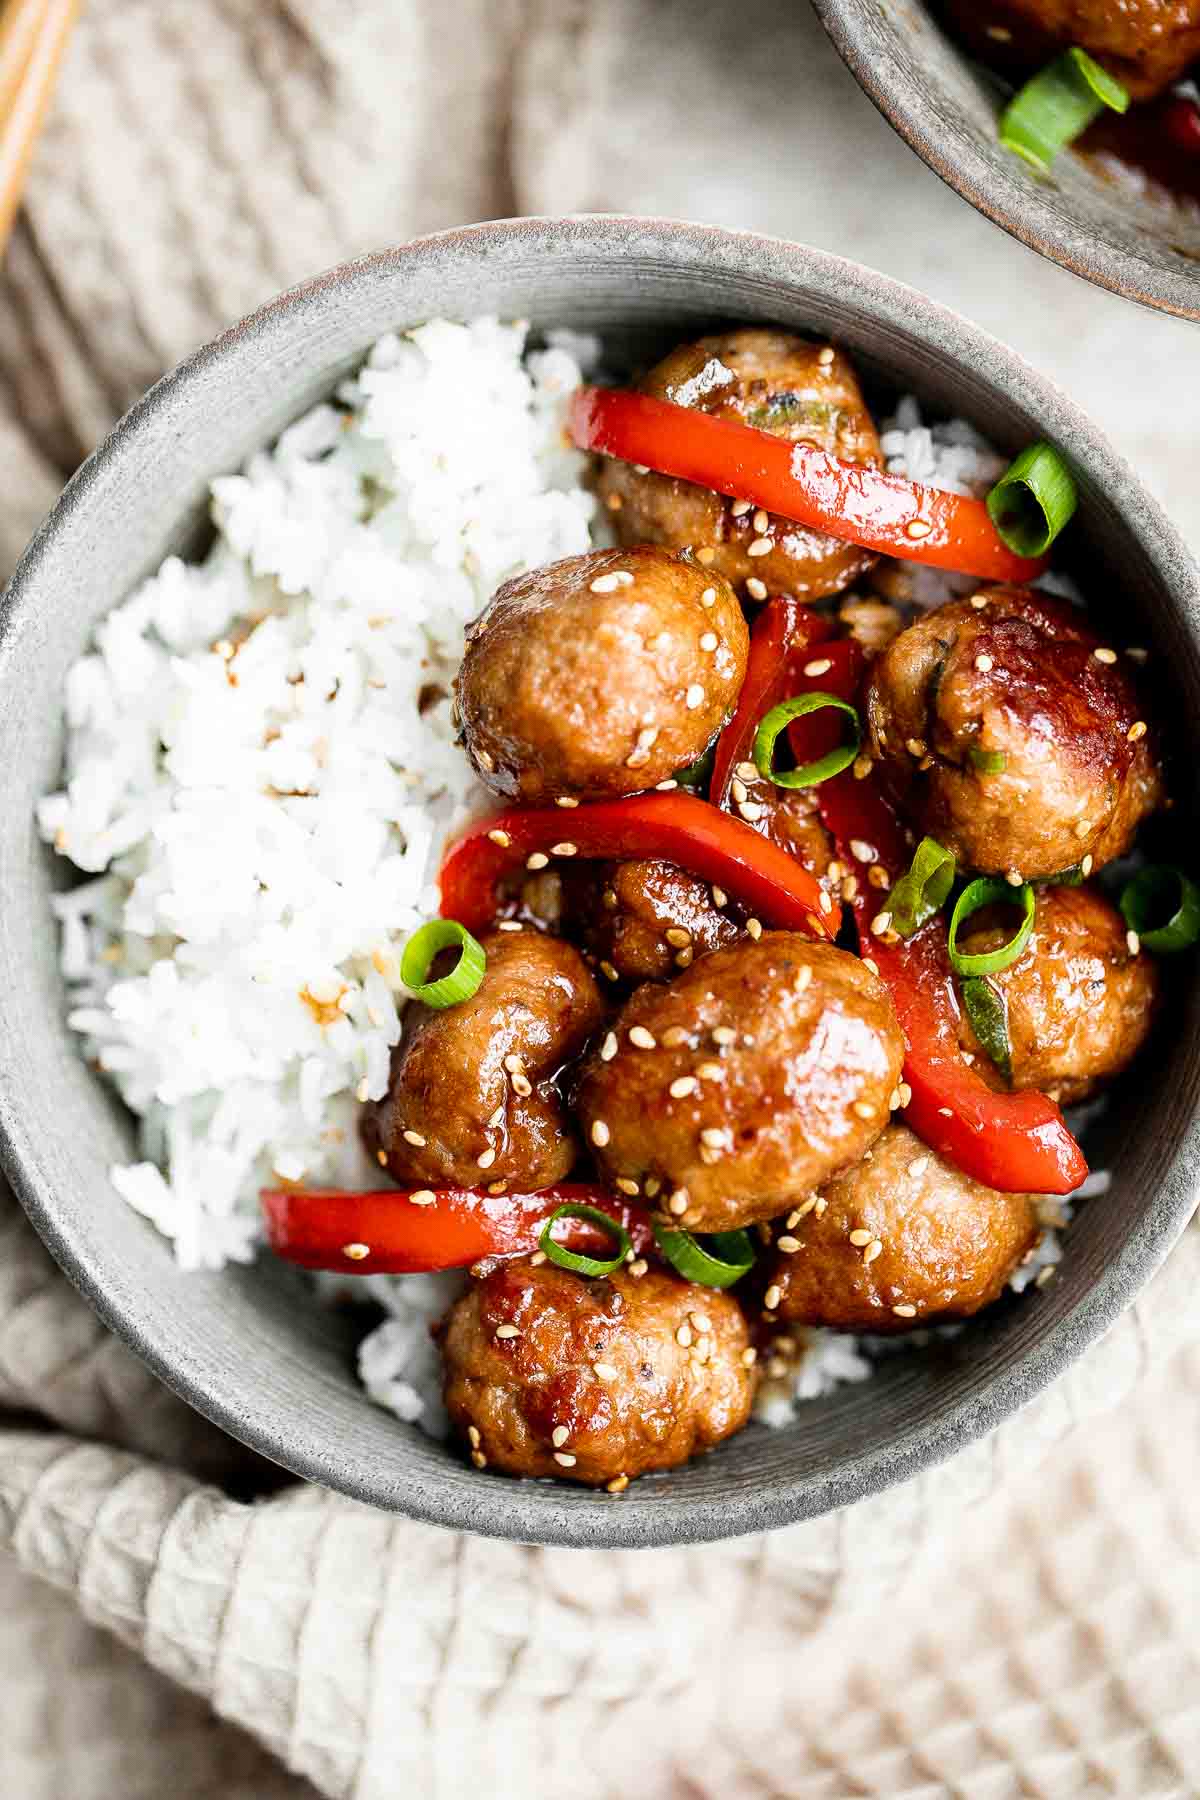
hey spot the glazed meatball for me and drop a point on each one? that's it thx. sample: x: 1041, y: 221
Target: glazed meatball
x: 473, y: 1097
x: 791, y: 819
x: 940, y: 1245
x: 758, y: 1073
x: 1020, y: 675
x: 1146, y: 44
x: 644, y: 920
x: 599, y: 675
x: 594, y: 1381
x: 1079, y: 1002
x: 807, y: 393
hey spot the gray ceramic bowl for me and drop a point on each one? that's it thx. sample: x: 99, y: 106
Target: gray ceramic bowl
x: 946, y: 107
x: 247, y: 1347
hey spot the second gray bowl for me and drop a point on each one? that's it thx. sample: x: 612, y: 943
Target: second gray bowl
x: 248, y: 1346
x: 946, y: 108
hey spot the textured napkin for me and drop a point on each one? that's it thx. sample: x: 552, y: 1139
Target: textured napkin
x: 1017, y: 1622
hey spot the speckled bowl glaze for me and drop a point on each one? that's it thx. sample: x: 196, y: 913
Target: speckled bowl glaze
x: 247, y: 1346
x: 946, y: 106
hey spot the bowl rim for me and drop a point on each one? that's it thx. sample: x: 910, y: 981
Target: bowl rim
x: 537, y: 1512
x: 1009, y: 198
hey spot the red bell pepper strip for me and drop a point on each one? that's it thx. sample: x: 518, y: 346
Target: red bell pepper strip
x: 831, y: 669
x: 784, y: 630
x: 798, y: 481
x: 1017, y: 1143
x: 325, y: 1228
x: 679, y: 827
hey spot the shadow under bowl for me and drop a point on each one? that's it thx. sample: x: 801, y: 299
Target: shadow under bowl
x: 247, y: 1346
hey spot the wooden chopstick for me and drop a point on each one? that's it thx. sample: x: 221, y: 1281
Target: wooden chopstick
x: 33, y: 36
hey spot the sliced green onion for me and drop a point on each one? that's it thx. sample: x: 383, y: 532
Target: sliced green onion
x: 1072, y: 877
x: 985, y: 1008
x: 422, y: 950
x: 1059, y: 103
x: 1033, y: 500
x: 573, y: 1260
x: 923, y: 889
x: 1163, y: 894
x: 780, y: 717
x: 697, y: 775
x: 988, y: 762
x: 989, y: 890
x: 728, y: 1256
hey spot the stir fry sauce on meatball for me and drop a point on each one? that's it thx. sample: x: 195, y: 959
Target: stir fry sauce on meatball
x: 473, y: 1097
x: 594, y: 1381
x: 1079, y: 1000
x: 1147, y: 44
x: 807, y: 393
x: 900, y: 1239
x: 644, y: 921
x: 599, y: 675
x: 1013, y: 678
x: 758, y: 1073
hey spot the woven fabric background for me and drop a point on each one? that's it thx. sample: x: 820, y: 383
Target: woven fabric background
x: 175, y: 1619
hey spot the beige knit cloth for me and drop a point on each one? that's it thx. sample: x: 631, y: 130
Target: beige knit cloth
x: 1020, y: 1622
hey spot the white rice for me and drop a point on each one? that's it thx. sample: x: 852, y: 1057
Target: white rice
x: 260, y: 774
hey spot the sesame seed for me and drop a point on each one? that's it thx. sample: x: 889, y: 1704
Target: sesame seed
x: 869, y: 962
x: 905, y: 1310
x: 673, y: 1036
x: 1133, y: 941
x: 916, y: 747
x: 1136, y: 730
x: 861, y: 766
x: 413, y: 1137
x: 905, y: 1093
x: 564, y: 1459
x: 479, y: 1459
x: 751, y: 810
x: 678, y: 1202
x: 710, y: 1071
x: 714, y: 1136
x: 665, y: 787
x: 863, y: 1109
x: 709, y: 640
x: 881, y: 923
x: 608, y: 1048
x: 740, y: 508
x: 705, y: 555
x: 754, y: 928
x: 917, y: 529
x: 537, y: 1259
x: 1082, y: 827
x: 522, y: 1085
x: 381, y: 1157
x: 625, y: 577
x: 825, y: 903
x: 825, y: 355
x: 605, y: 584
x: 683, y: 1337
x: 860, y: 1239
x: 625, y: 1185
x: 821, y: 666
x: 787, y: 1245
x: 605, y: 1371
x: 486, y: 1158
x: 708, y: 598
x: 724, y: 1035
x: 514, y: 1063
x: 510, y: 925
x: 566, y: 800
x: 694, y: 697
x: 873, y: 1249
x: 772, y: 1297
x: 677, y: 937
x: 599, y: 1133
x: 1086, y: 866
x: 822, y: 1203
x: 645, y: 1040
x: 682, y: 1086
x: 1104, y: 655
x: 979, y: 601
x: 760, y: 547
x: 356, y: 1252
x: 639, y: 1267
x: 504, y: 1332
x: 1014, y: 878
x: 877, y: 875
x: 423, y: 1197
x: 559, y: 1436
x: 500, y: 837
x: 756, y: 589
x: 983, y: 664
x: 473, y: 1437
x: 804, y: 1208
x: 803, y: 977
x: 749, y: 1357
x: 537, y: 860
x: 1044, y: 1276
x: 945, y: 1112
x: 617, y: 1485
x: 564, y: 849
x: 720, y: 897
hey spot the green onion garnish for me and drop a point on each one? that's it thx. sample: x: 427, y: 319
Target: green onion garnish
x: 781, y: 716
x: 697, y: 775
x: 729, y: 1255
x: 1033, y: 500
x: 1072, y: 877
x: 988, y: 762
x: 1163, y: 894
x: 571, y: 1259
x: 985, y: 1008
x: 1059, y: 103
x: 989, y: 890
x: 421, y: 951
x: 923, y: 889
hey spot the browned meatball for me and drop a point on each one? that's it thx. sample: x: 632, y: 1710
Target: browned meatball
x: 1079, y: 1002
x: 645, y: 920
x: 594, y: 1381
x: 473, y: 1097
x: 1147, y: 44
x: 1014, y: 673
x: 754, y: 1076
x: 599, y: 675
x: 939, y: 1246
x: 807, y: 393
